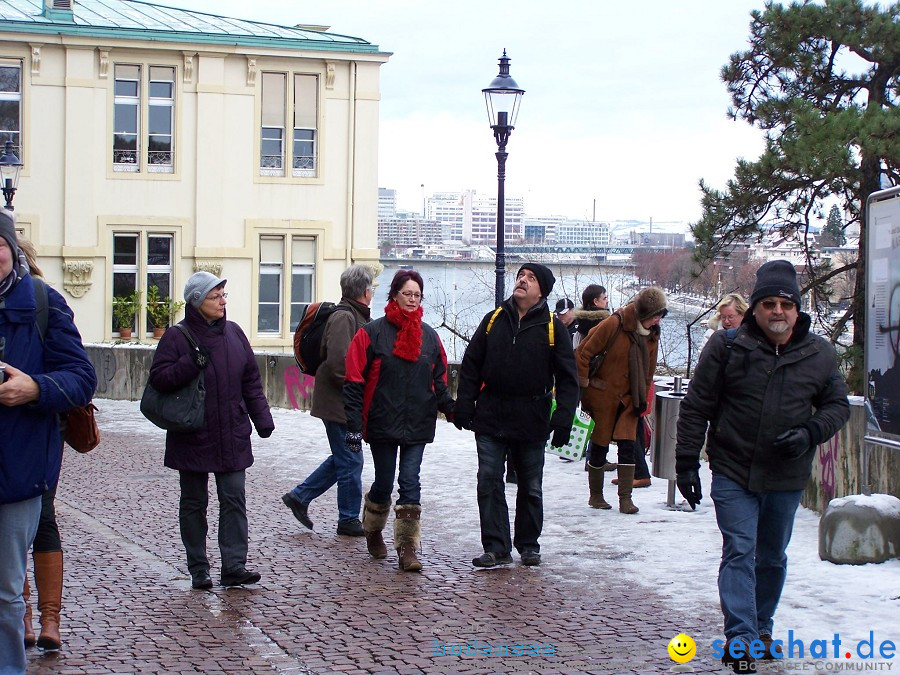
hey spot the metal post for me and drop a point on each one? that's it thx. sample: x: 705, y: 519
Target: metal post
x: 500, y: 287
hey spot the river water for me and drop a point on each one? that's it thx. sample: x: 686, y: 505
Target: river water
x: 457, y: 295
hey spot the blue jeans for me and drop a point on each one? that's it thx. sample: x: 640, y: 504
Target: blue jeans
x: 342, y: 467
x: 528, y: 458
x: 18, y: 524
x: 384, y: 458
x: 756, y: 529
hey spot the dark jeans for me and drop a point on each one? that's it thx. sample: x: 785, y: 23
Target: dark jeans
x: 47, y: 538
x: 342, y: 467
x: 528, y: 458
x: 641, y: 470
x: 384, y: 459
x: 233, y: 533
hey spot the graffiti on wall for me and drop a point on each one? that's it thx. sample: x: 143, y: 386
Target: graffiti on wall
x: 828, y: 452
x: 299, y: 386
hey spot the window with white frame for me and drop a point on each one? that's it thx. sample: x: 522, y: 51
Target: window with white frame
x: 141, y: 260
x: 132, y: 137
x: 284, y: 297
x: 276, y: 136
x: 11, y: 104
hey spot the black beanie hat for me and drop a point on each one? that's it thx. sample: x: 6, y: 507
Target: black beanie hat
x: 776, y: 278
x: 544, y: 276
x: 8, y: 230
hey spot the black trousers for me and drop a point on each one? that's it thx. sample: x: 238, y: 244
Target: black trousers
x: 233, y: 532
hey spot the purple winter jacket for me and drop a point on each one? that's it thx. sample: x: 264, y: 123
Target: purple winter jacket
x: 234, y: 395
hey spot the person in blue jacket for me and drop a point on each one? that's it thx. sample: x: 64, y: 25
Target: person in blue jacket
x: 41, y: 378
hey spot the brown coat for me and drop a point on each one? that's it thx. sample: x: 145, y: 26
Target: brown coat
x: 607, y: 396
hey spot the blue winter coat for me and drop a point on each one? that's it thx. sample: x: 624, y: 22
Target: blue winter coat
x: 234, y: 395
x: 30, y: 439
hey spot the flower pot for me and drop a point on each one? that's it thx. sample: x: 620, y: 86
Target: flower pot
x: 158, y: 332
x: 125, y: 333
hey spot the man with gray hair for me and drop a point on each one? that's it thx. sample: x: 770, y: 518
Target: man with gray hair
x: 343, y: 466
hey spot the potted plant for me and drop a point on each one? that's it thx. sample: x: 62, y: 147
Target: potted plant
x: 161, y: 310
x: 124, y: 309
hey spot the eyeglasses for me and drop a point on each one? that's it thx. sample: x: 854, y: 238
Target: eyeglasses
x: 410, y: 294
x: 786, y: 305
x: 217, y: 296
x: 371, y: 289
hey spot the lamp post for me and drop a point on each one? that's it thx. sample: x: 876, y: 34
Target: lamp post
x: 9, y: 172
x: 502, y: 97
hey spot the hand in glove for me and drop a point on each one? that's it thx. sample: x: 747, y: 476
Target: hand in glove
x: 561, y: 436
x: 265, y: 433
x: 461, y: 421
x: 201, y: 356
x: 688, y: 482
x: 354, y: 441
x: 793, y: 443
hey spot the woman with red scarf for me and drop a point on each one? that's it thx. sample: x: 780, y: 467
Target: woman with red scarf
x: 395, y: 383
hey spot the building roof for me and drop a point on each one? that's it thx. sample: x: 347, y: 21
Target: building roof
x: 125, y: 19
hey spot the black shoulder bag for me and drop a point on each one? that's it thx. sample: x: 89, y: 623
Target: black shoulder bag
x: 182, y: 410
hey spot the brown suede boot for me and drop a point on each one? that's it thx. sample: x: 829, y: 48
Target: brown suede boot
x: 407, y: 535
x: 48, y: 577
x: 626, y: 479
x: 373, y: 521
x: 30, y: 637
x: 595, y: 484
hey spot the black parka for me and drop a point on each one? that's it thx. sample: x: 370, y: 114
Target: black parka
x: 761, y: 392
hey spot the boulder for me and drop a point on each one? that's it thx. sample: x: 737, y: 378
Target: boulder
x: 860, y: 529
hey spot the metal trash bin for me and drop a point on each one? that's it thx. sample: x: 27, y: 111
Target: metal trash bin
x: 665, y: 427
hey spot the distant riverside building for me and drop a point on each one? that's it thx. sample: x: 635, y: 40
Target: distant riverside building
x: 583, y: 233
x: 472, y: 218
x: 387, y: 204
x: 157, y: 142
x: 410, y: 232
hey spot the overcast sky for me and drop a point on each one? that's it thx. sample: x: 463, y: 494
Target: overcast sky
x: 623, y: 101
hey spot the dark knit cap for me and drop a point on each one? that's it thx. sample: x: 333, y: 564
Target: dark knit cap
x: 563, y: 305
x: 544, y: 276
x: 650, y: 302
x: 776, y: 278
x: 8, y: 230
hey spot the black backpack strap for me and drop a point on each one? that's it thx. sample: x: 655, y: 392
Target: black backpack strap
x: 43, y: 306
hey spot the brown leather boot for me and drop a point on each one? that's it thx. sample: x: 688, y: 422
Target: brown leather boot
x: 595, y: 484
x: 30, y: 637
x: 48, y: 577
x: 373, y: 521
x: 408, y: 535
x: 626, y: 479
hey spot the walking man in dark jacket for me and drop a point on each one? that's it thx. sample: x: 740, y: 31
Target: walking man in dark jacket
x: 757, y: 394
x: 518, y: 354
x: 342, y: 466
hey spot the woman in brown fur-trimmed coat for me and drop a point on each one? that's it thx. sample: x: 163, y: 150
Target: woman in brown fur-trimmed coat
x: 618, y: 392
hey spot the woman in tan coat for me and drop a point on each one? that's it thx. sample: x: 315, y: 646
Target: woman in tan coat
x: 617, y: 393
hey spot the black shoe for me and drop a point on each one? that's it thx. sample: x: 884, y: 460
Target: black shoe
x: 351, y: 528
x: 530, y: 558
x: 201, y: 580
x: 298, y: 509
x: 739, y: 664
x: 772, y: 651
x: 239, y: 576
x: 491, y: 559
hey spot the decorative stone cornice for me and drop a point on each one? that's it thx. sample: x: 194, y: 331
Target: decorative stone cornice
x: 103, y: 64
x: 188, y: 67
x: 211, y: 266
x: 329, y: 74
x: 35, y: 59
x: 251, y: 72
x: 77, y: 276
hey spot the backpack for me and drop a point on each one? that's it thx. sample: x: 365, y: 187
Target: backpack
x: 550, y: 331
x: 308, y: 352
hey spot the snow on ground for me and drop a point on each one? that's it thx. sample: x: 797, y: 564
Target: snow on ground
x: 675, y: 552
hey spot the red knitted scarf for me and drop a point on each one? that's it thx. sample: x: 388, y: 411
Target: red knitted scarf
x: 408, y: 345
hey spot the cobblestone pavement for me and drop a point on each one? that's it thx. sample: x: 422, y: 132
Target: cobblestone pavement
x: 323, y: 606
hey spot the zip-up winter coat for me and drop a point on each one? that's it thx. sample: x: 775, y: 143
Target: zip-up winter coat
x: 389, y: 399
x: 763, y: 391
x: 588, y: 318
x: 328, y: 390
x: 607, y: 396
x: 507, y: 376
x: 30, y: 442
x: 234, y: 395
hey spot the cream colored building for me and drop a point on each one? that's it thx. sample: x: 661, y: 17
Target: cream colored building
x: 157, y: 142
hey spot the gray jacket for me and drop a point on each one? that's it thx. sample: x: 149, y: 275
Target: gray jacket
x: 762, y: 392
x: 328, y: 399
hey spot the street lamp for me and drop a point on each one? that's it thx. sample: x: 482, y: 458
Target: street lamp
x: 10, y: 165
x: 502, y: 97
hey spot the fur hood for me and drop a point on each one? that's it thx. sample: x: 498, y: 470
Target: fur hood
x: 591, y: 314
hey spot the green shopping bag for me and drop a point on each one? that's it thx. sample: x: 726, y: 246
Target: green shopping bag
x: 582, y: 427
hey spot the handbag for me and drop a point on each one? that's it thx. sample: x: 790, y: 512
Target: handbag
x: 582, y: 428
x: 597, y: 359
x: 182, y: 410
x: 82, y: 432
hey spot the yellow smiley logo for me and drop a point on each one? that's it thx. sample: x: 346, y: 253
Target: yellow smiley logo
x: 682, y: 648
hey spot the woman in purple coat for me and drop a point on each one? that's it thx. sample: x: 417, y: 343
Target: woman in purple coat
x: 234, y: 397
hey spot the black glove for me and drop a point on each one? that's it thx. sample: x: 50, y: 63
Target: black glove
x: 354, y: 441
x: 793, y: 443
x: 688, y: 482
x: 201, y: 356
x: 461, y: 421
x: 561, y: 436
x: 265, y: 433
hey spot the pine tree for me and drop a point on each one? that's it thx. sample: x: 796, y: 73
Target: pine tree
x: 822, y: 80
x: 833, y: 232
